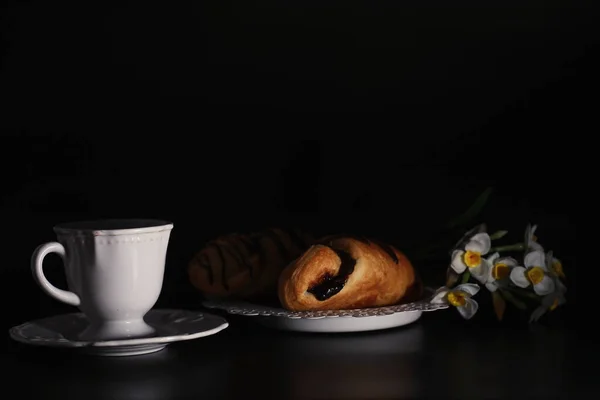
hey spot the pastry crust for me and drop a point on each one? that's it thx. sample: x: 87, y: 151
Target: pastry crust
x: 381, y: 276
x: 245, y: 266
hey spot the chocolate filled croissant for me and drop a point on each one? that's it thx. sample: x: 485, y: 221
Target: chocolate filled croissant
x: 346, y: 273
x: 245, y: 266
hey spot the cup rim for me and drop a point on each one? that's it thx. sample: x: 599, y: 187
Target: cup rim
x: 113, y: 226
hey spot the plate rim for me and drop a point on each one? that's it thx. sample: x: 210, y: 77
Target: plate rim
x: 249, y: 309
x: 332, y: 325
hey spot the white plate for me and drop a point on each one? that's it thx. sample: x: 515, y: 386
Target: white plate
x: 359, y: 320
x: 171, y: 326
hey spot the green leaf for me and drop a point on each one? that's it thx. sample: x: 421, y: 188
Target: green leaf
x: 510, y: 247
x: 498, y: 235
x: 508, y: 296
x: 466, y: 277
x: 527, y: 293
x: 499, y: 304
x: 537, y: 314
x: 473, y: 211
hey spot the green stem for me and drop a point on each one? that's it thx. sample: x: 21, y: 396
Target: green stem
x: 510, y: 247
x: 512, y: 299
x: 524, y: 293
x: 466, y: 277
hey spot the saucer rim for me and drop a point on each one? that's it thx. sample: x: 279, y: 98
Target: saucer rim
x: 15, y: 335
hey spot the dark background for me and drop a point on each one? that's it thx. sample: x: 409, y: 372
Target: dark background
x: 382, y: 118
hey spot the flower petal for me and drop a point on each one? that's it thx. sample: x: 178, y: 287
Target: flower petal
x: 548, y: 300
x: 490, y: 271
x: 482, y: 271
x: 535, y: 259
x: 546, y: 286
x: 560, y: 286
x: 517, y: 276
x: 535, y: 246
x: 550, y: 265
x: 491, y: 286
x: 553, y: 259
x: 468, y: 235
x: 469, y: 288
x: 530, y: 243
x: 480, y: 243
x: 549, y: 259
x: 511, y: 262
x: 493, y: 257
x: 469, y: 309
x: 458, y: 264
x: 557, y: 295
x: 475, y: 246
x: 440, y: 295
x: 561, y: 299
x: 529, y: 232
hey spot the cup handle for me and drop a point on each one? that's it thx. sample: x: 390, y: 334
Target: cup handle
x: 37, y: 261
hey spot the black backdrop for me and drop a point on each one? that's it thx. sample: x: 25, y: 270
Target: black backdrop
x: 216, y: 115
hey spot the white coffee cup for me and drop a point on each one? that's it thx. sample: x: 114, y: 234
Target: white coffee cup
x: 114, y: 269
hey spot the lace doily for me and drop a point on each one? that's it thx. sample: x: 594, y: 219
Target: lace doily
x: 249, y: 309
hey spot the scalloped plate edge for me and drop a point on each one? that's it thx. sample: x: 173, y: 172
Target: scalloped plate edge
x: 254, y: 310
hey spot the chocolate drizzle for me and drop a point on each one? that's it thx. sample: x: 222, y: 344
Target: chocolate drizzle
x: 250, y: 242
x: 332, y: 285
x: 239, y: 258
x: 277, y: 241
x: 239, y: 244
x: 223, y: 266
x: 254, y: 246
x: 204, y: 264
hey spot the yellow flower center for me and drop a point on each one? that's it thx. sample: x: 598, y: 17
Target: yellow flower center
x: 535, y: 275
x: 472, y: 259
x: 500, y: 271
x: 554, y: 305
x: 558, y: 268
x: 534, y: 238
x: 457, y: 298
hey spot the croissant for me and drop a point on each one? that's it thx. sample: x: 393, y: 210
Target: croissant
x: 343, y: 272
x: 245, y: 266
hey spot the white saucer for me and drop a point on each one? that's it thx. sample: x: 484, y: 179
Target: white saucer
x: 171, y: 326
x: 358, y: 320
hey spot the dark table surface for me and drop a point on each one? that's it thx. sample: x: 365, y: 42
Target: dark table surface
x: 439, y: 356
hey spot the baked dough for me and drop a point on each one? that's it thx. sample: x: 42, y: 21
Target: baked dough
x: 347, y: 273
x: 245, y: 266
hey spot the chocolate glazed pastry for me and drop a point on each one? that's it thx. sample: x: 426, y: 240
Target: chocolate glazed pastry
x: 245, y: 266
x: 348, y: 272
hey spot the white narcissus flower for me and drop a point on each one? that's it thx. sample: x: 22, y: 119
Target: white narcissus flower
x: 459, y: 297
x: 531, y: 243
x: 556, y: 267
x: 471, y: 257
x: 551, y: 301
x: 499, y: 271
x: 534, y: 273
x: 556, y: 298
